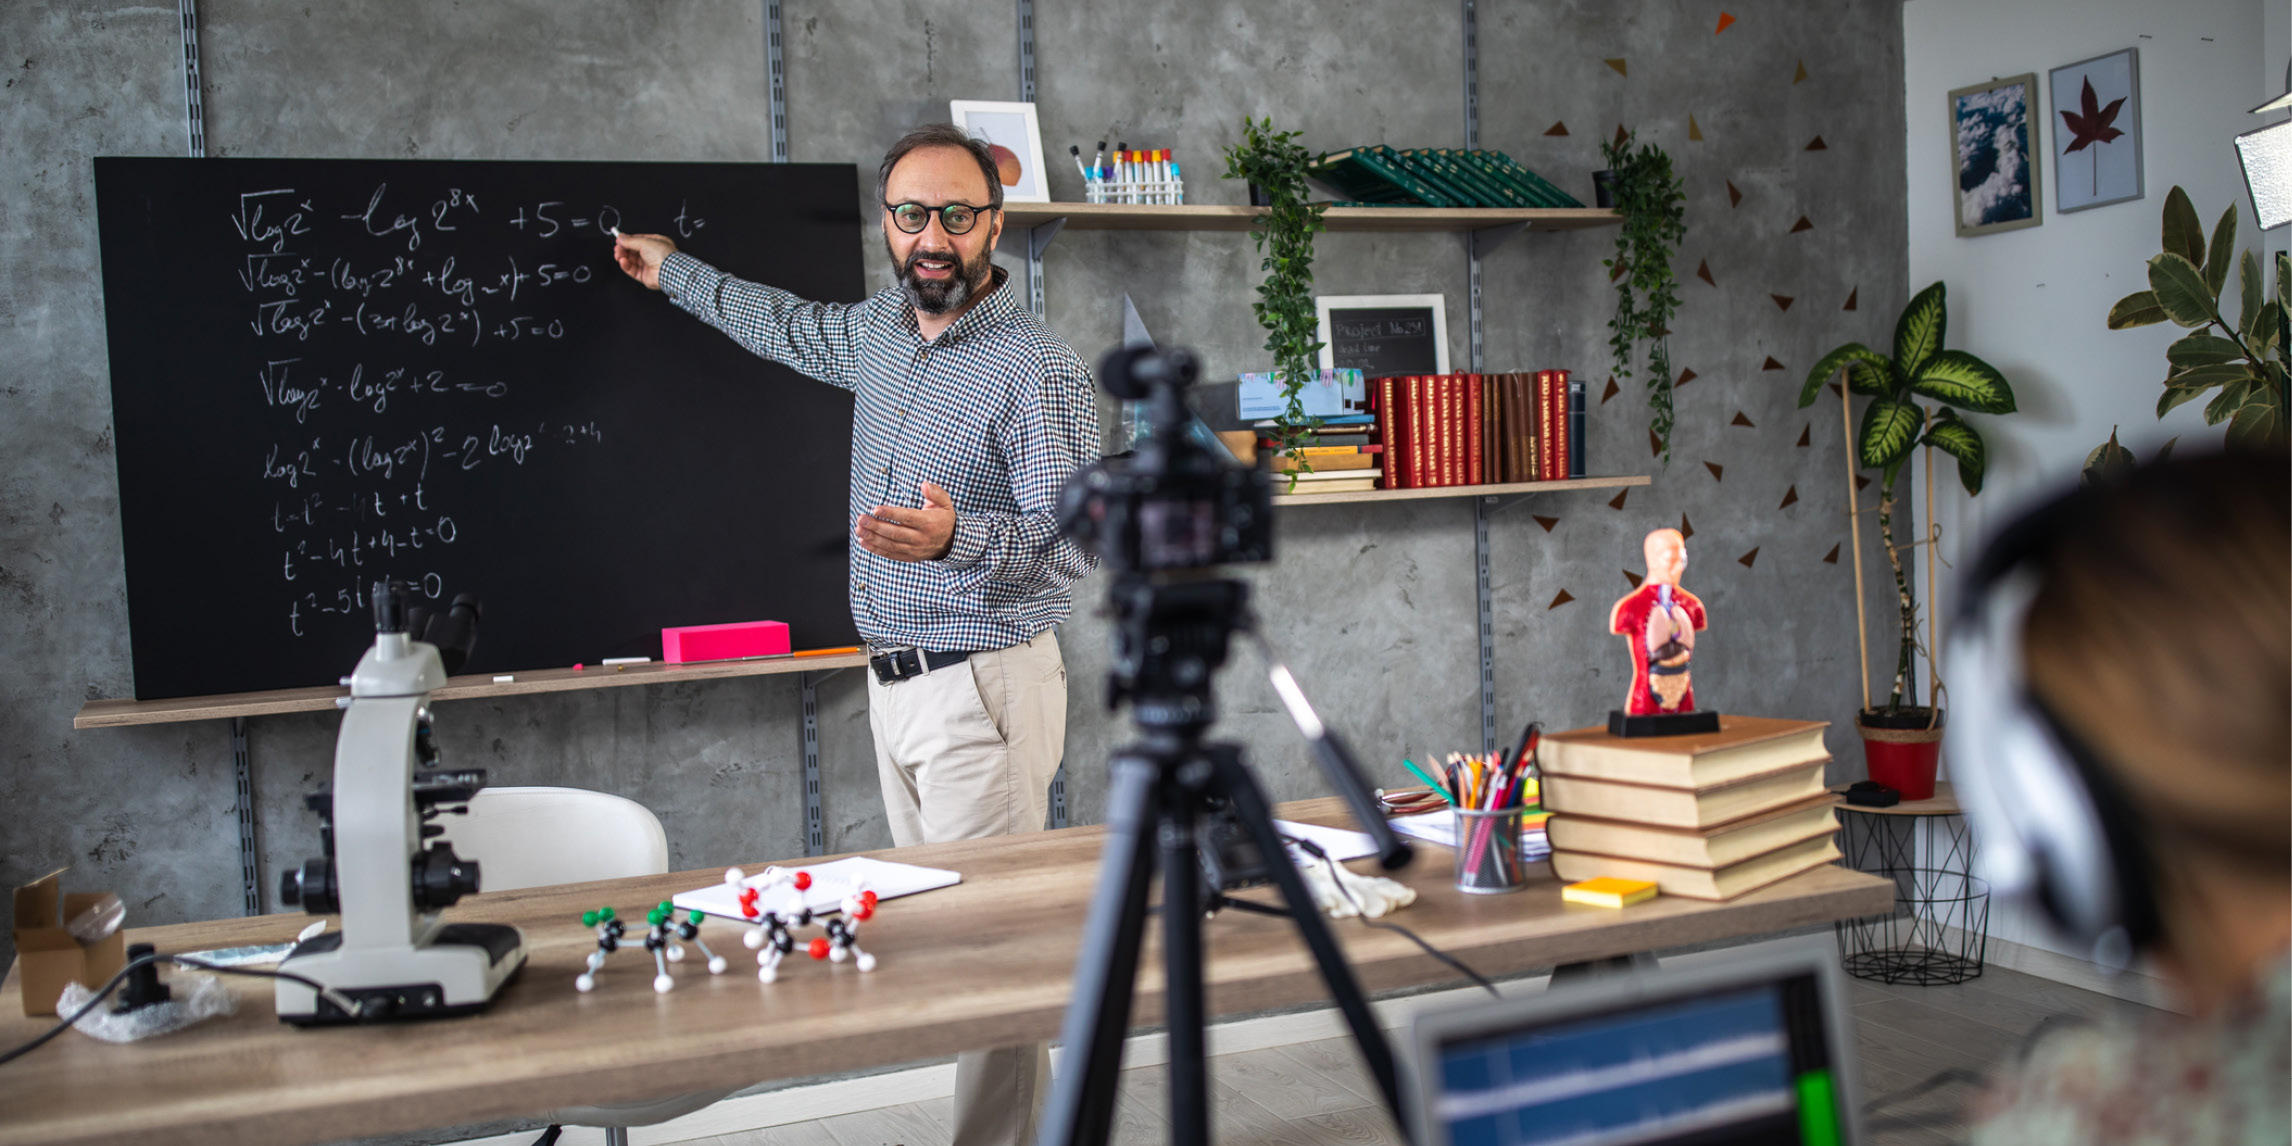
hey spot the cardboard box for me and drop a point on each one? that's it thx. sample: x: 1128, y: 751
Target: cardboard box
x: 47, y: 957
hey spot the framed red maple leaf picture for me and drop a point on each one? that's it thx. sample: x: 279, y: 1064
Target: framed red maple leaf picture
x: 2097, y: 131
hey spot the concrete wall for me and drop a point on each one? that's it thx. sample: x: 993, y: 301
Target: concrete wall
x: 1373, y: 605
x: 2034, y: 302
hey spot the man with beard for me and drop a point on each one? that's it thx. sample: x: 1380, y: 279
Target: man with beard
x: 969, y: 415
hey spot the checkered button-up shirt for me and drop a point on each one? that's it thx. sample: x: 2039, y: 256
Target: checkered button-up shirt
x: 997, y: 411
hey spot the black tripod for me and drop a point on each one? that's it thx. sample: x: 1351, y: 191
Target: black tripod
x: 1170, y: 638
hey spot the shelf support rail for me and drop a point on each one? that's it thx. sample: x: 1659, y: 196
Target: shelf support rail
x: 250, y: 858
x: 815, y: 831
x: 1475, y: 244
x: 194, y: 108
x: 1026, y: 51
x: 776, y: 81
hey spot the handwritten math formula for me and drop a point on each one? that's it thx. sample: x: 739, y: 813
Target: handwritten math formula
x: 366, y: 311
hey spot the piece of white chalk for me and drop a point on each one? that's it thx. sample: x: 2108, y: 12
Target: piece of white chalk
x: 616, y: 231
x: 626, y: 661
x: 504, y: 678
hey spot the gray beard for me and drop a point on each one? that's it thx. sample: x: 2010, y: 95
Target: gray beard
x: 939, y: 297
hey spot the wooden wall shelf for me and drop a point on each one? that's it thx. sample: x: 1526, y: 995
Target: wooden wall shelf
x: 120, y: 713
x: 1494, y: 489
x: 1023, y: 217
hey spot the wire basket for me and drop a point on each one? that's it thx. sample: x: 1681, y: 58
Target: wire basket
x: 1937, y: 934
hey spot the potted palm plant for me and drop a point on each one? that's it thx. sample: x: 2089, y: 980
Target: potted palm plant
x: 1902, y: 738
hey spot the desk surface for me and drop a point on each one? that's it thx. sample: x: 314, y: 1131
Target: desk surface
x: 984, y: 964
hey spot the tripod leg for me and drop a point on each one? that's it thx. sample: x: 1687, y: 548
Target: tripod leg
x: 1182, y: 967
x: 1081, y: 1107
x: 1250, y: 807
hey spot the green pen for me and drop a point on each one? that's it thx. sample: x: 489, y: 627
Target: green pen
x: 1434, y: 784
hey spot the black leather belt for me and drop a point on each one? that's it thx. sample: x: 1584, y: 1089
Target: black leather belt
x: 900, y: 664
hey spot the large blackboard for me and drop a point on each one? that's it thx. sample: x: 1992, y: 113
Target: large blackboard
x: 326, y: 372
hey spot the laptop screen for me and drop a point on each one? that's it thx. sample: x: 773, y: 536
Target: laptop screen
x: 1746, y: 1063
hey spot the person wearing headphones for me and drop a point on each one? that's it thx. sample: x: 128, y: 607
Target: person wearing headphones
x: 2122, y: 739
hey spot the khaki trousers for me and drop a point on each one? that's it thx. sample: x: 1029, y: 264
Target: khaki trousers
x: 965, y: 752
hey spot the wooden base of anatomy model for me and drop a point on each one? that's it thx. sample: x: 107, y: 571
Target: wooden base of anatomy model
x: 1658, y: 621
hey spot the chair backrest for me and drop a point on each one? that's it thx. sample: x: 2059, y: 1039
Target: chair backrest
x: 535, y: 837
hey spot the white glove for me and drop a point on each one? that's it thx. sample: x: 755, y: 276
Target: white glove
x: 1370, y: 895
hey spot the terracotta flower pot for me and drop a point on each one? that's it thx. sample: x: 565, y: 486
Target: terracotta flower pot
x: 1902, y: 750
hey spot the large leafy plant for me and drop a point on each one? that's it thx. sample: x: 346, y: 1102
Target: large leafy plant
x: 1896, y: 422
x: 1275, y: 163
x: 2245, y: 359
x: 1652, y: 202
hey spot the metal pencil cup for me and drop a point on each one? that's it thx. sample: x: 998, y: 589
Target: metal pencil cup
x: 1488, y: 858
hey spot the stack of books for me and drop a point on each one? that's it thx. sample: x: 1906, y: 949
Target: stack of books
x: 1345, y: 455
x: 1475, y: 429
x: 1379, y: 176
x: 1705, y: 816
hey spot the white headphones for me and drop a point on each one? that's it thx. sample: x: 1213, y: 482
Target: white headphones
x: 2050, y: 822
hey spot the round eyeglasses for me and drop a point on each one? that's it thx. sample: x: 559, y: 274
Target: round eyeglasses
x: 954, y: 218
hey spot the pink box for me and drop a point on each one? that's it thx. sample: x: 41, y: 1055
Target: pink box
x: 687, y: 643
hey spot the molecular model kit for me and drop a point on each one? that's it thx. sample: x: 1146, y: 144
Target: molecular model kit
x: 771, y: 934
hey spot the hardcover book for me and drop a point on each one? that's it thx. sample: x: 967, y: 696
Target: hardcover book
x: 1701, y: 883
x: 1682, y: 807
x: 1744, y: 746
x: 1720, y: 845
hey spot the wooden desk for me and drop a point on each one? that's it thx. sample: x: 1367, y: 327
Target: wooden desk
x: 984, y: 964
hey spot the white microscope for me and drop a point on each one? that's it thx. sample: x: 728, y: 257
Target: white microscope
x: 392, y: 958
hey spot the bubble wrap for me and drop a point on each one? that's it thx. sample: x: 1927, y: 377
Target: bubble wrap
x: 196, y: 997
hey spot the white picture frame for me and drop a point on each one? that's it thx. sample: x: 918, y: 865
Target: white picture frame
x: 2108, y: 147
x: 1011, y: 128
x: 1435, y: 304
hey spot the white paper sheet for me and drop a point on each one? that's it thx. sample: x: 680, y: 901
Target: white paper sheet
x: 831, y: 882
x: 1340, y: 843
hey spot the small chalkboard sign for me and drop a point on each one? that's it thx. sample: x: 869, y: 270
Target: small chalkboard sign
x: 1382, y: 334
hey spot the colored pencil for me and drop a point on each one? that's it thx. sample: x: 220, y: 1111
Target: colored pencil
x: 1421, y: 774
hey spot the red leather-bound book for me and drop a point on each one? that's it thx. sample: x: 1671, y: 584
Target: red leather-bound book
x: 1543, y: 425
x: 1452, y: 426
x: 1475, y: 429
x: 1381, y: 397
x: 1560, y: 459
x: 1420, y: 433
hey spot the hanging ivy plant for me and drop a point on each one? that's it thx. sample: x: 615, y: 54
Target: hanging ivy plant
x: 1274, y: 163
x: 1652, y: 201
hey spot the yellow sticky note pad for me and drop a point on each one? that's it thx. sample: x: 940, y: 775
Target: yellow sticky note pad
x: 1608, y: 891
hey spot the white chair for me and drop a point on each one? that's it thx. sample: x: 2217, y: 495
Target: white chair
x: 535, y: 837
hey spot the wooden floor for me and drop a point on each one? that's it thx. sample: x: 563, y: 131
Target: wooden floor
x: 1316, y: 1094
